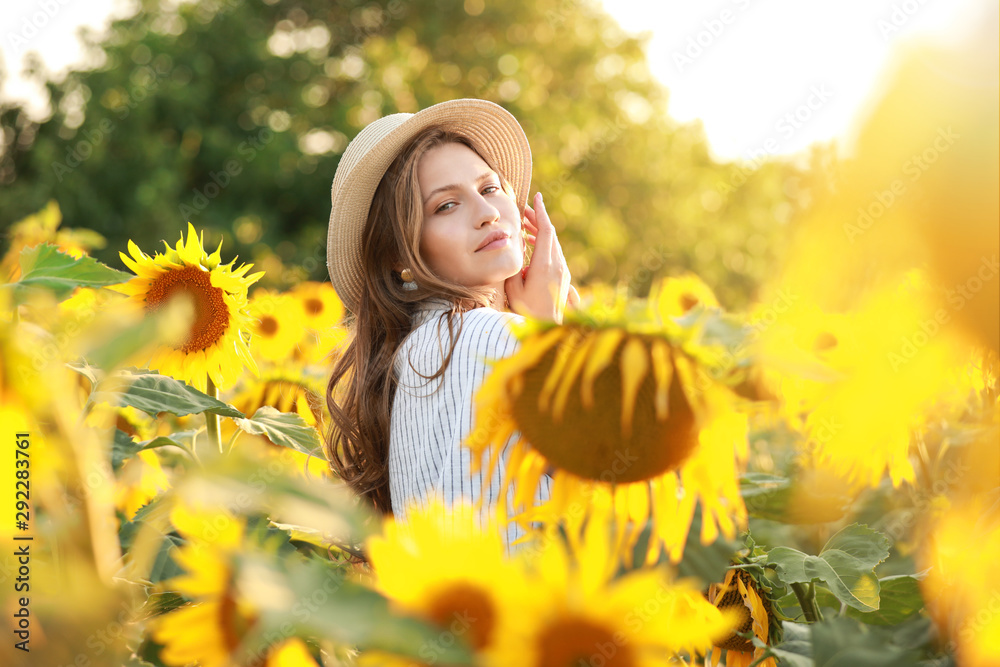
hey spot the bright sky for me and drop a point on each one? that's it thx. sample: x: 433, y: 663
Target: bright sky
x: 762, y: 75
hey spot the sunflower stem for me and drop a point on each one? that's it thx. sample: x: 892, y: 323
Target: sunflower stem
x: 212, y: 420
x: 806, y: 594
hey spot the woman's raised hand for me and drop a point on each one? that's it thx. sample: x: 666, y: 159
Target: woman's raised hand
x: 545, y: 290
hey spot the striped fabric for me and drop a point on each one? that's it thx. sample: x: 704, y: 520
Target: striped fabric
x: 431, y: 418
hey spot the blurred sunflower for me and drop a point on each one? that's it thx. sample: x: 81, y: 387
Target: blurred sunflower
x: 288, y: 388
x: 279, y: 324
x: 583, y: 614
x: 325, y: 333
x: 214, y: 348
x: 741, y: 593
x: 209, y: 630
x: 833, y: 387
x: 323, y: 308
x: 472, y: 591
x: 621, y: 414
x: 960, y: 540
x: 674, y: 297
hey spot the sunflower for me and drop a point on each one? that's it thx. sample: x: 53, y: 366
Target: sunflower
x: 287, y: 388
x: 622, y: 415
x: 322, y: 306
x: 674, y: 297
x: 280, y: 324
x: 962, y: 585
x: 586, y: 616
x: 741, y: 593
x: 208, y: 630
x: 325, y: 333
x: 214, y: 348
x: 442, y: 567
x: 833, y: 387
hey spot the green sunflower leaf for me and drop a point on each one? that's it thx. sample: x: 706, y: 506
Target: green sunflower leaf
x: 899, y: 599
x: 869, y: 547
x: 286, y: 429
x: 846, y: 565
x: 124, y: 447
x: 45, y: 266
x: 154, y: 393
x: 846, y: 577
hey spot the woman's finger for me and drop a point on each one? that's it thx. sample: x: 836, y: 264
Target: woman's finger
x: 573, y: 298
x: 546, y: 233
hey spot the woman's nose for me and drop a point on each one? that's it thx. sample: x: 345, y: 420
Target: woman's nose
x: 486, y: 212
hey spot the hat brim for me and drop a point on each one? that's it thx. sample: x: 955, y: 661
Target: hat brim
x: 370, y: 153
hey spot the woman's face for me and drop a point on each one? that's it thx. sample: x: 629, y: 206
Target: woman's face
x: 472, y: 228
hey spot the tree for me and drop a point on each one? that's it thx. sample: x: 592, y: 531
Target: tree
x: 232, y: 115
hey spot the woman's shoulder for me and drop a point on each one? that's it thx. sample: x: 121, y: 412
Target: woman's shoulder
x: 483, y: 332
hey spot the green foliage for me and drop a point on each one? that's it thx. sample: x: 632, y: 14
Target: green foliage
x: 45, y: 266
x: 154, y: 393
x: 234, y: 116
x: 846, y: 565
x: 286, y: 429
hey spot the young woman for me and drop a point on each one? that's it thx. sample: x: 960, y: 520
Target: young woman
x: 427, y: 247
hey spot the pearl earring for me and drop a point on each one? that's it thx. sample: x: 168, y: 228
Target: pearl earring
x: 408, y: 282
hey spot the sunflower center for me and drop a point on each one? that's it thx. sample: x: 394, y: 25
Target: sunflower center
x: 211, y: 313
x: 733, y: 600
x: 688, y: 301
x: 268, y: 326
x: 824, y: 341
x: 574, y: 642
x: 233, y: 624
x: 313, y: 306
x: 592, y: 444
x: 465, y: 610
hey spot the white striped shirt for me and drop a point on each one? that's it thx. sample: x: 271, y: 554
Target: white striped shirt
x: 431, y: 418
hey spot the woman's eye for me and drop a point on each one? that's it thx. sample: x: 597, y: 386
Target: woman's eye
x: 442, y: 206
x: 490, y: 187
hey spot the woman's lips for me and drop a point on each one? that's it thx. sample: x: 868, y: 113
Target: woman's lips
x: 495, y: 245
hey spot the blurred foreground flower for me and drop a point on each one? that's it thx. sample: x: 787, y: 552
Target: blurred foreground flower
x: 210, y: 630
x: 557, y: 606
x: 622, y: 415
x: 215, y: 348
x: 588, y: 616
x: 962, y: 587
x: 442, y: 567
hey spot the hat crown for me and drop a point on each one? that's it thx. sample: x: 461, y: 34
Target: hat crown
x: 359, y: 146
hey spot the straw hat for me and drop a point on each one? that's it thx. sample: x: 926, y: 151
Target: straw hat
x: 370, y: 153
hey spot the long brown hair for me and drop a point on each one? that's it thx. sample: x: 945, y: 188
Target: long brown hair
x: 363, y: 382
